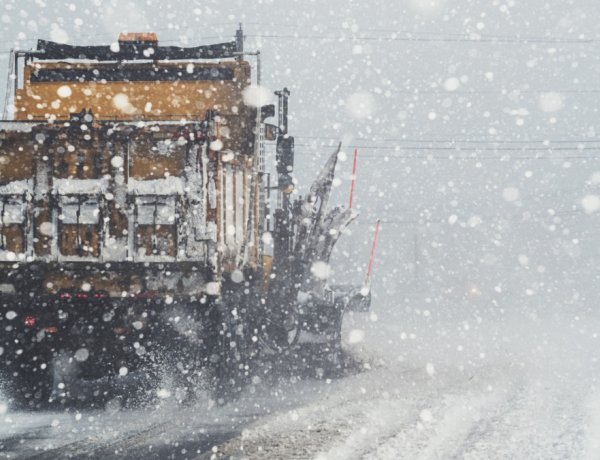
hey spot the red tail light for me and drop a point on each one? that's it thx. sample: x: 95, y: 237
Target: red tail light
x: 29, y: 321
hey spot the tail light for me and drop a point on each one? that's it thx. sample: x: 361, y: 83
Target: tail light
x: 29, y: 321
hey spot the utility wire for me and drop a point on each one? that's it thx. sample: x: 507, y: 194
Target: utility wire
x: 465, y: 141
x: 395, y: 38
x: 409, y: 33
x: 459, y: 149
x: 473, y: 157
x: 161, y: 29
x: 392, y: 35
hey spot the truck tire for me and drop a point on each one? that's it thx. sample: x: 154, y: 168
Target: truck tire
x: 231, y: 358
x: 27, y: 387
x: 235, y: 349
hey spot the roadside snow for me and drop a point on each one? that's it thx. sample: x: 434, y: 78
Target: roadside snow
x: 413, y: 400
x: 446, y: 388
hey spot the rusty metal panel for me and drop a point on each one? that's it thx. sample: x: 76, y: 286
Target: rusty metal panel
x: 113, y: 165
x: 155, y: 159
x: 132, y: 100
x: 79, y: 240
x: 13, y: 238
x: 16, y: 158
x: 159, y: 240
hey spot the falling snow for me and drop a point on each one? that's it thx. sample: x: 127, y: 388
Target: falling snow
x: 477, y: 136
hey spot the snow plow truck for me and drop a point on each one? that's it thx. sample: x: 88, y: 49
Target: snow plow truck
x: 136, y: 225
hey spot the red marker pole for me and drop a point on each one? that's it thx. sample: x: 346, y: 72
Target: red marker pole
x: 370, y: 269
x: 353, y: 177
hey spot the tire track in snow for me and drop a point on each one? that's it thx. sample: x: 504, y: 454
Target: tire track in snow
x: 543, y: 421
x: 501, y: 412
x: 591, y: 449
x: 501, y: 424
x: 434, y: 432
x: 392, y: 427
x: 341, y: 410
x: 139, y: 433
x: 385, y: 413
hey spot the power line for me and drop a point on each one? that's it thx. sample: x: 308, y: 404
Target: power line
x: 395, y: 38
x: 160, y: 29
x: 392, y: 35
x: 500, y: 92
x: 178, y: 40
x: 521, y: 219
x: 471, y: 153
x: 438, y: 37
x: 479, y: 158
x: 461, y: 141
x: 503, y: 158
x: 459, y: 149
x: 393, y: 30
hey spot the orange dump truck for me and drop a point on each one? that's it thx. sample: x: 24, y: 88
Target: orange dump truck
x: 132, y: 213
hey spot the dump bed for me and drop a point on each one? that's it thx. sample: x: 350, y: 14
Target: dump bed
x: 131, y: 91
x: 112, y: 171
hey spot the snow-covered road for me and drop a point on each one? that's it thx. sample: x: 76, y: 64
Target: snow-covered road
x: 395, y: 412
x: 525, y: 400
x: 385, y: 413
x: 519, y: 387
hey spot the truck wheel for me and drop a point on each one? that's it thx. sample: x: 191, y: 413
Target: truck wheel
x: 27, y: 387
x: 230, y: 357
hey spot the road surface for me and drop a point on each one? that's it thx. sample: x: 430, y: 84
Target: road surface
x: 413, y: 407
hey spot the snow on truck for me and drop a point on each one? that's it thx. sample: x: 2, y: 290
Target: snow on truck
x: 136, y: 233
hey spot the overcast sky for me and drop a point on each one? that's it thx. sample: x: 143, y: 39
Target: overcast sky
x: 410, y: 81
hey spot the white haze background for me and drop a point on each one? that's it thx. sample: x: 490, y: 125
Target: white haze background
x: 478, y: 132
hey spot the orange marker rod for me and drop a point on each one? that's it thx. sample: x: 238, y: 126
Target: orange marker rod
x: 353, y: 177
x: 370, y: 270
